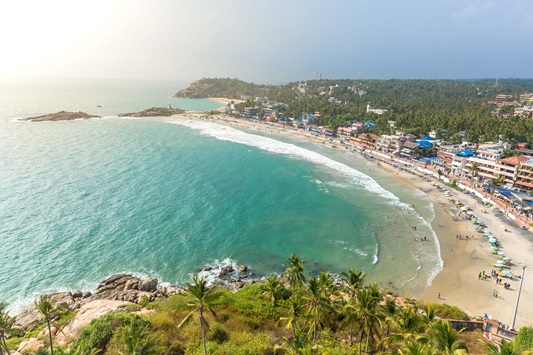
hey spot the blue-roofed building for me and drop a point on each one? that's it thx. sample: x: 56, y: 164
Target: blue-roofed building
x: 425, y: 144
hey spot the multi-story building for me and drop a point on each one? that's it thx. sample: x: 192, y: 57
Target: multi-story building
x: 446, y: 153
x: 524, y: 175
x: 508, y: 167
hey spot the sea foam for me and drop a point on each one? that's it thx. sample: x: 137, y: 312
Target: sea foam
x: 226, y: 133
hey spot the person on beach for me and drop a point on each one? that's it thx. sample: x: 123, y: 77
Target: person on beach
x: 438, y: 295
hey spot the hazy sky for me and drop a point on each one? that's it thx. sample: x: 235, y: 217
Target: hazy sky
x: 266, y: 41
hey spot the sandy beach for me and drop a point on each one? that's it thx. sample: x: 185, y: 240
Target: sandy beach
x: 464, y: 259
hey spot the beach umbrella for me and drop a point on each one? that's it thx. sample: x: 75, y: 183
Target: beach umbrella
x: 487, y: 233
x: 494, y: 248
x: 506, y: 258
x: 463, y: 208
x: 470, y: 213
x: 506, y: 272
x: 501, y: 253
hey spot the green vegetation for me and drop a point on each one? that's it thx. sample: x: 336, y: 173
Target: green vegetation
x: 289, y: 315
x: 453, y: 108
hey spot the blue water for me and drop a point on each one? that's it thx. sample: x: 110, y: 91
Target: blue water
x: 81, y: 200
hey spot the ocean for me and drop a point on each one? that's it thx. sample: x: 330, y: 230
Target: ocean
x: 81, y: 200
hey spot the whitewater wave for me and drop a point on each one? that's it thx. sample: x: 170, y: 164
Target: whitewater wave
x: 226, y: 133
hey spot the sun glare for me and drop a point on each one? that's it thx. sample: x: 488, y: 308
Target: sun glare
x: 35, y: 34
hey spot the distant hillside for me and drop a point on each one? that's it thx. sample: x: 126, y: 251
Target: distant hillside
x: 229, y: 88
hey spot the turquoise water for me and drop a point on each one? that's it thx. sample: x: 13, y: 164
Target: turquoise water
x: 81, y: 200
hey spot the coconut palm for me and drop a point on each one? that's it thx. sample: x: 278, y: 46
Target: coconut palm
x: 415, y: 348
x: 202, y: 298
x: 366, y: 310
x: 295, y: 312
x: 138, y: 341
x: 295, y: 272
x: 352, y: 280
x: 299, y: 344
x: 505, y: 348
x: 272, y: 288
x: 474, y: 170
x: 6, y: 329
x: 317, y: 305
x: 50, y: 312
x: 495, y: 182
x: 445, y: 339
x: 408, y: 324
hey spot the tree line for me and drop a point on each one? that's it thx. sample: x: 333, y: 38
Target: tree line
x: 455, y: 109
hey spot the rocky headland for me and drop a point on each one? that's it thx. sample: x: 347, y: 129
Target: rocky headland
x: 61, y: 116
x: 124, y: 289
x: 154, y: 112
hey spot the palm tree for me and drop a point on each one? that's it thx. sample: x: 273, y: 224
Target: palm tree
x: 408, y: 324
x: 415, y: 348
x: 202, y: 297
x: 445, y: 338
x: 317, y: 305
x: 299, y: 344
x: 272, y: 288
x: 295, y: 304
x: 137, y: 340
x: 506, y: 348
x: 6, y: 324
x: 50, y: 312
x: 495, y: 182
x: 474, y: 170
x: 295, y: 272
x: 367, y: 311
x: 352, y: 280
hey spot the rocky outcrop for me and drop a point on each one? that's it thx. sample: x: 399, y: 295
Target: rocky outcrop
x: 154, y: 112
x: 126, y: 288
x: 86, y: 314
x: 60, y: 116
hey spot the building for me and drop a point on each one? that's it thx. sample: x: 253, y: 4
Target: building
x: 377, y: 111
x: 445, y: 153
x: 508, y: 167
x: 524, y: 175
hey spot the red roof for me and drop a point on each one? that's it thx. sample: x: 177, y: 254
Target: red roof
x: 515, y: 160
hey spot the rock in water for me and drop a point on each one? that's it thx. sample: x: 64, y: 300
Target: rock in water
x: 148, y: 284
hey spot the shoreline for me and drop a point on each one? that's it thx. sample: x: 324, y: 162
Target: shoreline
x: 463, y: 259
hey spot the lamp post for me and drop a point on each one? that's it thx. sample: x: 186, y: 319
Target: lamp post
x: 518, y: 298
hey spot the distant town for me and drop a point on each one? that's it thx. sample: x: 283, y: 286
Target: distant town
x: 501, y: 168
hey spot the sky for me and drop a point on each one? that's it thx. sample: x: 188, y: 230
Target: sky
x: 274, y: 41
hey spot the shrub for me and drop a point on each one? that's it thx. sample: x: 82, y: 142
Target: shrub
x: 100, y: 331
x: 446, y: 311
x: 524, y: 339
x: 218, y: 334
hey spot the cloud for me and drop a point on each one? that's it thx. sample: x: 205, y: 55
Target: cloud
x: 474, y: 10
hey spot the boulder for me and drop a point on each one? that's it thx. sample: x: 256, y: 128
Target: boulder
x: 173, y: 290
x: 225, y: 271
x: 77, y: 294
x: 28, y: 318
x: 243, y: 268
x: 132, y: 284
x: 87, y: 294
x: 148, y: 284
x: 114, y: 282
x: 30, y: 345
x: 87, y: 312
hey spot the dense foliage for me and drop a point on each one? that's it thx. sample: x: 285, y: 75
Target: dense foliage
x: 293, y: 314
x: 453, y: 108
